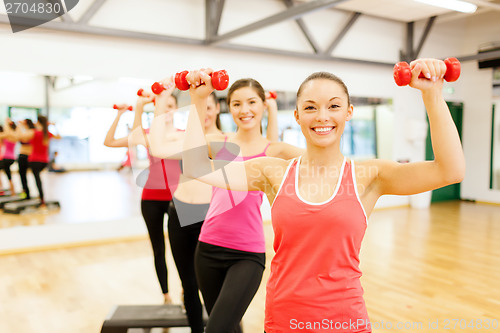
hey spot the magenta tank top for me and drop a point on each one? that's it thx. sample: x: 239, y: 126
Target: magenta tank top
x: 234, y: 220
x: 8, y: 153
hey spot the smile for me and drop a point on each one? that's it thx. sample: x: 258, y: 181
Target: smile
x: 323, y: 130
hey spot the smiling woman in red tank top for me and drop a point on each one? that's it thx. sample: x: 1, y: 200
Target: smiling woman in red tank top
x: 321, y: 201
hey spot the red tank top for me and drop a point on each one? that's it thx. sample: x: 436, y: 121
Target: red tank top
x: 40, y: 148
x: 314, y: 283
x: 163, y: 177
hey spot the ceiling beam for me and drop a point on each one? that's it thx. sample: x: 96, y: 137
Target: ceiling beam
x: 342, y: 33
x: 425, y: 34
x: 218, y: 16
x: 87, y: 16
x: 489, y: 55
x: 209, y: 18
x: 108, y: 32
x: 305, y: 30
x: 407, y: 53
x: 291, y: 13
x: 302, y: 55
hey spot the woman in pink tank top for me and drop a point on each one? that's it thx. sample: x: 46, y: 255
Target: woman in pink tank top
x: 230, y: 257
x: 321, y: 201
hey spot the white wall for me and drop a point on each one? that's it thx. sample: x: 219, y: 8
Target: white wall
x: 44, y: 52
x: 478, y: 100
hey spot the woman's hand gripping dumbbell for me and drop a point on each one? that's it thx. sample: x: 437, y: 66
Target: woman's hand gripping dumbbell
x: 403, y: 75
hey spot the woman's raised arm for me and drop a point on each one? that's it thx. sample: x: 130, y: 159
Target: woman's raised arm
x: 448, y: 166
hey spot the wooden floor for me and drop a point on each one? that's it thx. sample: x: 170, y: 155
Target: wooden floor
x: 85, y: 196
x: 424, y: 271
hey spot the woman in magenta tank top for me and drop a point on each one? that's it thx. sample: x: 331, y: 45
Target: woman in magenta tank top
x: 230, y: 257
x: 321, y: 201
x: 8, y: 157
x: 190, y: 204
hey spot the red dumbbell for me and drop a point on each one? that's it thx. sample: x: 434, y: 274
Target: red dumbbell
x: 140, y: 92
x: 272, y: 95
x: 220, y: 80
x: 402, y: 72
x: 158, y: 87
x: 130, y: 108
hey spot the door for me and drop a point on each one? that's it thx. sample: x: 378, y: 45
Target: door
x: 450, y: 192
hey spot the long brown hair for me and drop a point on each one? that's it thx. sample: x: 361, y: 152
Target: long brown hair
x: 45, y: 127
x: 216, y: 101
x: 29, y: 123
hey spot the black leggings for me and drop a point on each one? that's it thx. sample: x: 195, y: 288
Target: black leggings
x: 228, y: 280
x: 183, y: 241
x: 22, y: 161
x: 153, y: 213
x: 36, y: 168
x: 6, y: 163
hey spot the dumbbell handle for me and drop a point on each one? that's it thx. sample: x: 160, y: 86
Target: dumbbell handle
x: 130, y: 108
x: 402, y: 72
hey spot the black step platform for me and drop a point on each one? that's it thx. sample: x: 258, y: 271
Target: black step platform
x: 123, y: 317
x: 28, y: 206
x: 6, y: 199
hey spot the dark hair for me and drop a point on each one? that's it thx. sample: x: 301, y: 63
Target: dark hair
x: 29, y: 123
x: 242, y: 83
x: 175, y: 98
x: 45, y: 126
x: 1, y: 128
x: 325, y: 76
x: 216, y: 101
x: 12, y: 125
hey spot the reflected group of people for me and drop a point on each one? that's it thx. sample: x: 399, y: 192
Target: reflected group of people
x: 33, y: 153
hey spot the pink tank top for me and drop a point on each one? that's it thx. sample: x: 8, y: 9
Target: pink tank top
x: 314, y: 285
x: 234, y: 220
x: 9, y: 148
